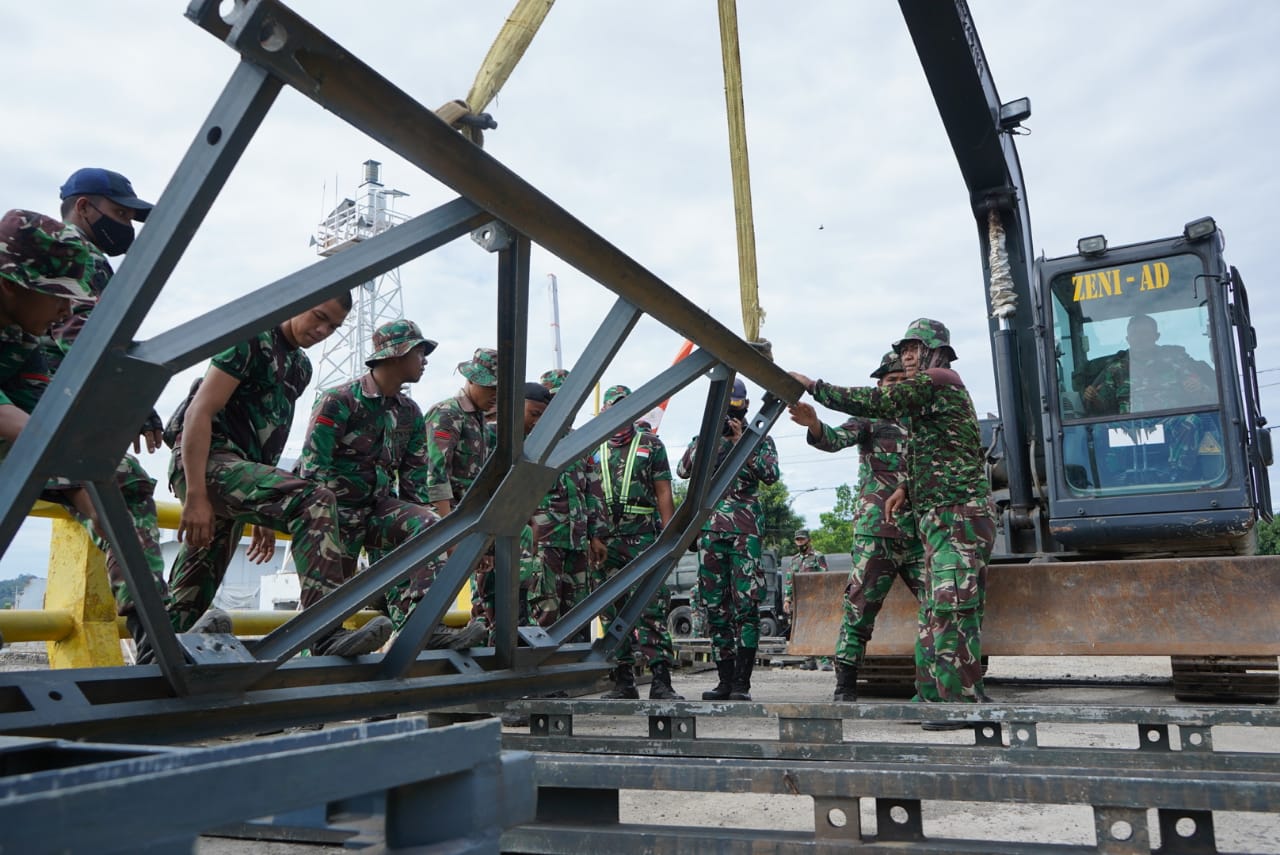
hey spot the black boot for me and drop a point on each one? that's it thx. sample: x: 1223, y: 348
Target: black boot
x: 624, y: 685
x: 725, y: 686
x: 660, y: 689
x: 743, y: 665
x: 846, y: 682
x: 144, y: 654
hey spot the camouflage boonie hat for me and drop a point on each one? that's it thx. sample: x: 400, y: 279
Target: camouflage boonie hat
x: 932, y: 334
x: 801, y: 533
x: 889, y: 363
x: 396, y: 338
x: 614, y: 394
x: 553, y: 379
x: 482, y: 369
x: 44, y: 255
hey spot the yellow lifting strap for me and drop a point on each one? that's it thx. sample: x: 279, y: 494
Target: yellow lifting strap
x: 504, y: 54
x: 752, y: 314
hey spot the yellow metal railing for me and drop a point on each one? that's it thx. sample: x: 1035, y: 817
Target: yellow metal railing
x: 79, y: 621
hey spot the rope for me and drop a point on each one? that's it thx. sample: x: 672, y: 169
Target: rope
x: 748, y: 282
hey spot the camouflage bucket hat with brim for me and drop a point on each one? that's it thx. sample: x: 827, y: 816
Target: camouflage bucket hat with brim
x: 44, y: 255
x: 889, y: 363
x: 932, y: 334
x: 483, y: 367
x: 396, y: 338
x: 614, y: 394
x: 553, y: 379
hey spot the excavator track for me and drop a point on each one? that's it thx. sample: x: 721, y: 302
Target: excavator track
x: 1233, y: 679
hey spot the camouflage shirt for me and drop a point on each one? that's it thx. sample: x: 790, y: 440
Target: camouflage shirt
x: 573, y: 512
x: 363, y: 445
x: 944, y: 452
x: 458, y: 443
x: 1154, y: 380
x: 802, y: 562
x: 882, y: 448
x: 256, y: 420
x: 23, y: 373
x: 739, y: 510
x: 632, y: 508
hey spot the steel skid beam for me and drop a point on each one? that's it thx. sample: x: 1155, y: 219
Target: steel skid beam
x: 110, y: 381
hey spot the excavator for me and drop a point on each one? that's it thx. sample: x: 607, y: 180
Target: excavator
x: 1129, y: 458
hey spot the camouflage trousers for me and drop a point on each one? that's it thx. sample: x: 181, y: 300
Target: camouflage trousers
x: 244, y: 492
x: 377, y: 529
x: 957, y: 546
x: 877, y: 561
x: 138, y: 489
x: 558, y: 583
x: 730, y: 587
x: 650, y: 635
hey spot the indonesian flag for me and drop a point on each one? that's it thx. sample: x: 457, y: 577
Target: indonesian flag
x: 654, y: 417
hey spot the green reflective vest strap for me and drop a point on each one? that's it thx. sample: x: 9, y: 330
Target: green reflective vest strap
x: 606, y: 477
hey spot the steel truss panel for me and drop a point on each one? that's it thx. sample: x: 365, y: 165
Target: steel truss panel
x: 110, y: 381
x: 129, y: 799
x: 1185, y: 782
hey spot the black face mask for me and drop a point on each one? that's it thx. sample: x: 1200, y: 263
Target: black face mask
x: 111, y: 237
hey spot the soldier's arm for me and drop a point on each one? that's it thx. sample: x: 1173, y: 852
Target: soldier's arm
x: 853, y: 432
x: 328, y: 422
x: 685, y: 469
x: 414, y: 484
x: 196, y: 524
x: 822, y: 561
x: 443, y: 436
x: 895, y: 402
x: 666, y: 502
x: 597, y: 514
x: 765, y: 462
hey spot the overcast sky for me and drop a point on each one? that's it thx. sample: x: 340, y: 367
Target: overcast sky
x: 1145, y: 115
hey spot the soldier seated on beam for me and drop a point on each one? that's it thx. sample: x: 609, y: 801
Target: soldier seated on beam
x: 227, y: 437
x: 46, y: 270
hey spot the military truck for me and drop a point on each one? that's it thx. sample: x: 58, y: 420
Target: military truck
x: 685, y: 621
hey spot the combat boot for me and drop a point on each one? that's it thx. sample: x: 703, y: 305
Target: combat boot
x: 743, y: 665
x: 354, y: 642
x: 725, y: 686
x: 660, y: 689
x: 846, y: 682
x: 624, y: 685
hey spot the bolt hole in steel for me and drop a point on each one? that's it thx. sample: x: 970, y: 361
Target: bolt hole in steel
x: 540, y: 721
x: 1153, y: 735
x: 1196, y: 739
x: 1121, y: 830
x: 836, y: 818
x: 1023, y: 734
x: 559, y: 725
x: 683, y: 727
x: 989, y: 732
x: 55, y: 696
x: 214, y: 134
x: 899, y: 814
x: 1185, y: 827
x: 661, y: 725
x: 229, y: 10
x: 272, y: 36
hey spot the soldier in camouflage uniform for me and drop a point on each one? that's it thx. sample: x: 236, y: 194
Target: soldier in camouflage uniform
x: 227, y: 437
x: 636, y: 480
x: 46, y: 269
x: 948, y: 488
x: 1150, y: 376
x: 882, y: 548
x: 730, y: 580
x: 571, y: 527
x: 804, y: 561
x: 367, y: 444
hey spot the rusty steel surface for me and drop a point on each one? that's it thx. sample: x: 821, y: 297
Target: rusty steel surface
x: 1157, y: 607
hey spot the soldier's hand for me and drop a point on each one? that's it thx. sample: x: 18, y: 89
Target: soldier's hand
x: 735, y: 430
x: 802, y: 379
x: 597, y: 551
x: 895, y: 503
x: 195, y: 529
x: 262, y: 545
x: 804, y: 414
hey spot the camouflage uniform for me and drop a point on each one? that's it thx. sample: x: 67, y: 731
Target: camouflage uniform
x: 41, y: 254
x: 1136, y: 382
x: 730, y: 580
x: 568, y: 518
x: 248, y: 436
x: 950, y: 492
x: 458, y: 443
x: 369, y: 449
x: 881, y: 550
x: 807, y: 561
x: 632, y: 505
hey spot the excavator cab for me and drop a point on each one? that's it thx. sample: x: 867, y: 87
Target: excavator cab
x: 1159, y: 445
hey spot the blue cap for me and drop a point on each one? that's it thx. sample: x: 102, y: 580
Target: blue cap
x: 94, y: 181
x: 739, y: 396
